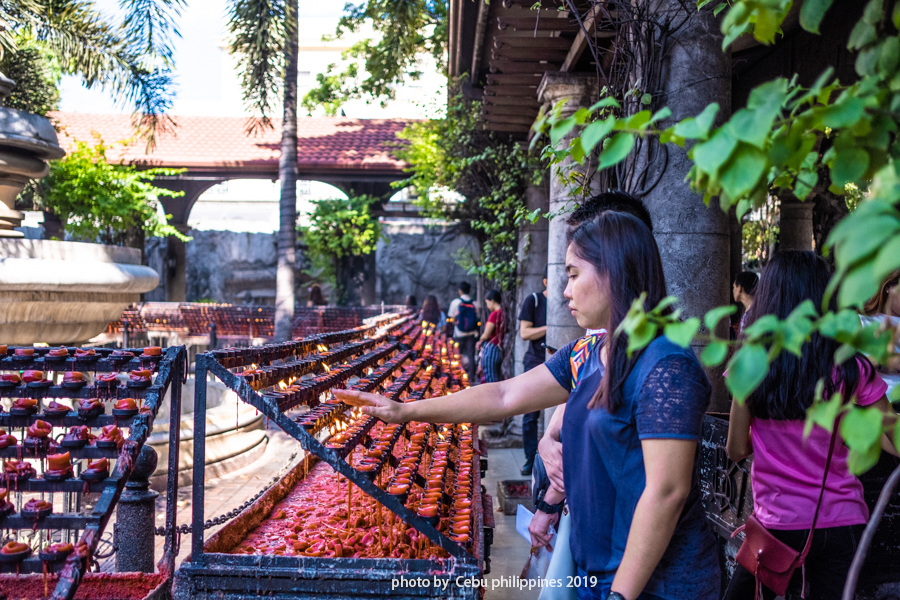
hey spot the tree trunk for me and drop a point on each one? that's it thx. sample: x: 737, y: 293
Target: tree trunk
x: 287, y: 175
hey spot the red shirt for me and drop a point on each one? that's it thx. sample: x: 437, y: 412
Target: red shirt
x: 497, y: 319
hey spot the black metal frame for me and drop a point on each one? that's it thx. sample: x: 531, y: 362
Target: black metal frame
x: 170, y: 369
x: 238, y: 576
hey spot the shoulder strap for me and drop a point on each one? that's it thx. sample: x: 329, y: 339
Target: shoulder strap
x: 834, y: 432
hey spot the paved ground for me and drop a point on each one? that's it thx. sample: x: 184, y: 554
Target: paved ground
x: 508, y: 553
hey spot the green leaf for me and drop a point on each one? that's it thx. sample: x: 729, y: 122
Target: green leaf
x: 888, y: 257
x: 681, y: 334
x: 596, y: 131
x: 806, y: 182
x: 858, y: 286
x: 560, y: 129
x: 608, y: 102
x: 615, y: 152
x: 713, y: 153
x: 714, y: 354
x: 860, y: 462
x: 861, y: 428
x: 746, y: 370
x: 576, y: 151
x: 823, y: 412
x: 843, y: 113
x: 640, y: 335
x: 879, y: 229
x: 646, y: 99
x: 722, y: 6
x: 663, y: 113
x: 697, y: 127
x: 890, y: 55
x: 711, y: 319
x: 811, y: 13
x: 744, y: 171
x: 849, y: 166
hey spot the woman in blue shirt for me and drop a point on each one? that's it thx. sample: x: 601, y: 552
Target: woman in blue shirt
x: 631, y: 428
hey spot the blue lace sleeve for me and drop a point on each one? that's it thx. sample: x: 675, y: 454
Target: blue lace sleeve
x: 672, y: 400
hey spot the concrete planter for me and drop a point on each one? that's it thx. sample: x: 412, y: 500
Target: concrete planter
x: 66, y: 292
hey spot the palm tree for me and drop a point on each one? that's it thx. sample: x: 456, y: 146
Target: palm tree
x: 265, y: 41
x: 132, y: 59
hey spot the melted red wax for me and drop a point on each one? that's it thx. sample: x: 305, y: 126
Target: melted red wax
x: 94, y: 586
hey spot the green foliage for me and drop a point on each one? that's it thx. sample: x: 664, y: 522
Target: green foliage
x: 340, y: 232
x: 778, y: 142
x: 372, y: 67
x: 36, y: 73
x: 99, y: 200
x: 491, y: 174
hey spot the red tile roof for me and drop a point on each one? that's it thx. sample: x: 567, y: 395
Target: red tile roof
x: 222, y: 142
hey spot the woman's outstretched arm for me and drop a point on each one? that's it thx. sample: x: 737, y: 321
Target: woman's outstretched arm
x: 531, y: 391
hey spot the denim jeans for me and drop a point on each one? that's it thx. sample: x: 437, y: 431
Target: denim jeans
x: 602, y: 589
x: 826, y: 565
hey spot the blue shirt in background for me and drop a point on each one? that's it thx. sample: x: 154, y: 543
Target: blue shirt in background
x: 665, y: 396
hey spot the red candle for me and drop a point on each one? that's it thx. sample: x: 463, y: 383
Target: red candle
x: 59, y: 462
x: 73, y: 376
x: 24, y: 351
x: 152, y: 351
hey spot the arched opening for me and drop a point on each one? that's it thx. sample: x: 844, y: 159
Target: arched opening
x: 251, y: 205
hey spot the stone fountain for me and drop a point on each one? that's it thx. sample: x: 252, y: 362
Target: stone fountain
x: 51, y: 291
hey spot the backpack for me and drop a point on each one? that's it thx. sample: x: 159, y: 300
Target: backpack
x: 467, y: 319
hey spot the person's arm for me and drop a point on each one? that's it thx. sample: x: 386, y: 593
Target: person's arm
x: 668, y: 464
x: 550, y: 449
x: 529, y: 332
x: 739, y: 445
x: 488, y: 332
x: 531, y: 391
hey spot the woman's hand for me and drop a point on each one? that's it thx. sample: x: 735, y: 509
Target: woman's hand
x: 372, y: 404
x: 539, y: 528
x: 551, y: 453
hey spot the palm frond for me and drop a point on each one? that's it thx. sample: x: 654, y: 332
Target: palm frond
x: 150, y: 26
x: 258, y: 29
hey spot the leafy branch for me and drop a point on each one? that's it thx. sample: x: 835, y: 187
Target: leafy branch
x: 780, y: 142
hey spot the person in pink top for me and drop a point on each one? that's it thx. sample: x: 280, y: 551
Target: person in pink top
x: 787, y: 468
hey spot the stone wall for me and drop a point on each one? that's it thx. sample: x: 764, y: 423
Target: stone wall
x: 237, y: 267
x: 225, y: 266
x: 419, y: 260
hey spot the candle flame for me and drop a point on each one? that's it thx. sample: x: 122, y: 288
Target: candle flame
x: 327, y: 368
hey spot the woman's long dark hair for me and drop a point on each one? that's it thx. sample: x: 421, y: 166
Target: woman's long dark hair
x: 431, y: 312
x: 789, y: 388
x: 625, y: 255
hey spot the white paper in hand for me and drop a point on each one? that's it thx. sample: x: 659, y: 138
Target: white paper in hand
x: 523, y: 520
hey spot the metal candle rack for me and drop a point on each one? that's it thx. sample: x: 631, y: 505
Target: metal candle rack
x: 376, y: 355
x: 169, y: 367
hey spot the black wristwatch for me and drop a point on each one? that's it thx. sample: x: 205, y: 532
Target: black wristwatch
x: 615, y: 596
x: 550, y: 509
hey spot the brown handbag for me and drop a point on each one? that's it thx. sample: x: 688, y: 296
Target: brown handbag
x: 770, y: 560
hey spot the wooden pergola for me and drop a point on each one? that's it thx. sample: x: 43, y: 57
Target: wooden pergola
x: 513, y: 46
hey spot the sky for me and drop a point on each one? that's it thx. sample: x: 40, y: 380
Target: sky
x: 206, y: 81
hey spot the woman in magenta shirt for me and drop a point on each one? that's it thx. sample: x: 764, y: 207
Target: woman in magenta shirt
x: 787, y: 468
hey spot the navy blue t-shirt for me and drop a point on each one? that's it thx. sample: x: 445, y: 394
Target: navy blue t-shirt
x: 665, y: 396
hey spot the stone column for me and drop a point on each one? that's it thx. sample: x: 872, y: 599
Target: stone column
x: 579, y: 90
x: 532, y: 255
x: 694, y: 240
x: 176, y: 266
x: 796, y: 229
x: 135, y: 529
